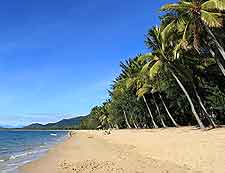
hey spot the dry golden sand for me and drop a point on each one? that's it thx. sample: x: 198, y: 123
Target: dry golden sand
x: 136, y: 151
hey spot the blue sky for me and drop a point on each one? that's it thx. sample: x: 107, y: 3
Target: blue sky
x: 57, y: 58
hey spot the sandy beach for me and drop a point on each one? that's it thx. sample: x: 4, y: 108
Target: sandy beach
x: 169, y: 150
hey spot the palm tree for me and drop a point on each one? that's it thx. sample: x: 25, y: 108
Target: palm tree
x: 147, y: 89
x: 118, y: 91
x: 188, y: 75
x: 131, y: 75
x: 162, y: 59
x: 155, y: 84
x: 149, y: 110
x: 168, y: 112
x: 158, y: 110
x: 126, y: 120
x: 216, y: 57
x: 204, y: 109
x: 196, y: 16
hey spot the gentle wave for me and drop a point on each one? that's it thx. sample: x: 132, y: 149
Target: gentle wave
x: 10, y: 170
x: 53, y: 134
x: 27, y: 153
x: 18, y: 148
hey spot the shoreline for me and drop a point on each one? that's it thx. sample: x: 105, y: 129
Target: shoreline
x: 31, y: 130
x: 36, y: 146
x: 174, y: 150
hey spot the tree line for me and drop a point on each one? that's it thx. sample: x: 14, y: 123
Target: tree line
x: 181, y: 81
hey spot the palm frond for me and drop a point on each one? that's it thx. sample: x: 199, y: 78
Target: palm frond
x: 165, y: 33
x: 130, y: 82
x: 181, y: 43
x: 142, y: 91
x: 145, y: 68
x: 213, y: 5
x: 182, y: 5
x: 144, y: 58
x: 212, y: 19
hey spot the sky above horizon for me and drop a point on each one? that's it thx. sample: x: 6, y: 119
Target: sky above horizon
x: 58, y: 58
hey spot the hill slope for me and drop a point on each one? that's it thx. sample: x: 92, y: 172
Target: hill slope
x: 34, y: 126
x: 63, y: 124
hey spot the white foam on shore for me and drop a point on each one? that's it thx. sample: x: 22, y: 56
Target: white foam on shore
x: 13, y: 157
x: 12, y: 162
x: 53, y: 134
x: 10, y: 170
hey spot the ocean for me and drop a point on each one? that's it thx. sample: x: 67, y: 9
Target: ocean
x: 20, y: 147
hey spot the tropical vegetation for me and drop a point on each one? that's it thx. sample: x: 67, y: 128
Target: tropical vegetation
x: 180, y: 81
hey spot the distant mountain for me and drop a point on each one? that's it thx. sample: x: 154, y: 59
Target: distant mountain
x: 63, y: 124
x: 34, y: 126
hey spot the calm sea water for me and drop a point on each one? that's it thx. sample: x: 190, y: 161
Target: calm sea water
x: 20, y: 147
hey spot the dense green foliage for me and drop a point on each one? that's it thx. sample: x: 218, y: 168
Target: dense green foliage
x: 181, y: 81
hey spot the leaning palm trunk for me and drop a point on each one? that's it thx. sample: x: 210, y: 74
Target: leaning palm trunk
x: 116, y: 126
x: 189, y: 100
x: 168, y: 112
x: 126, y: 120
x: 150, y: 112
x: 220, y: 66
x: 160, y: 116
x: 220, y: 48
x: 135, y: 125
x: 217, y: 61
x: 204, y: 109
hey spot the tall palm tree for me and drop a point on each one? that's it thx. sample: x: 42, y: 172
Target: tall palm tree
x: 196, y: 16
x: 118, y: 91
x: 188, y: 74
x: 147, y: 89
x: 163, y: 59
x: 131, y: 75
x: 158, y: 89
x: 144, y: 86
